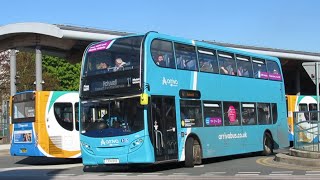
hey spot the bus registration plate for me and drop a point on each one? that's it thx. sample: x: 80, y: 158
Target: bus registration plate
x: 23, y: 150
x: 111, y: 161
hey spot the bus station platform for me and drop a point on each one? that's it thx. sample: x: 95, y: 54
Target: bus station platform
x: 4, y: 147
x: 299, y: 157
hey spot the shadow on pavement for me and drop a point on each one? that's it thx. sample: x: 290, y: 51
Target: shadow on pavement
x: 136, y: 168
x: 48, y: 161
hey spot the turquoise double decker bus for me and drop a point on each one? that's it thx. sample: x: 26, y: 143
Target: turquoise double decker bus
x: 154, y: 98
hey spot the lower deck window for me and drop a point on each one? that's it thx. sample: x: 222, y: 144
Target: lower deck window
x: 190, y: 113
x: 64, y: 115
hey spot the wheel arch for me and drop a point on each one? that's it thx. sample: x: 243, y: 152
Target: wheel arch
x: 267, y: 131
x: 196, y: 137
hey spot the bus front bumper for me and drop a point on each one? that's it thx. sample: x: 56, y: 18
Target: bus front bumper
x: 142, y: 153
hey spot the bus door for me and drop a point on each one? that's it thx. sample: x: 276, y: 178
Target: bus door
x: 163, y: 127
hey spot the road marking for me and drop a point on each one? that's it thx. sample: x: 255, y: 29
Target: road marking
x: 61, y: 175
x: 118, y: 175
x: 247, y: 174
x: 282, y: 172
x: 269, y: 162
x: 215, y: 172
x: 64, y: 166
x: 199, y: 166
x: 149, y: 174
x: 121, y: 173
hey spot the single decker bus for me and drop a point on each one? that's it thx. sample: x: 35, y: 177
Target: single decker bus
x: 45, y: 124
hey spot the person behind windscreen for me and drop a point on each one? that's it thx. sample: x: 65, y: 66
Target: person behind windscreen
x: 102, y: 65
x: 119, y: 63
x: 160, y: 61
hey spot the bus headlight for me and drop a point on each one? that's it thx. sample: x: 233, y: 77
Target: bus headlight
x: 86, y: 147
x: 135, y: 144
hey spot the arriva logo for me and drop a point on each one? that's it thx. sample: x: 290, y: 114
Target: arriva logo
x: 111, y: 141
x: 170, y: 82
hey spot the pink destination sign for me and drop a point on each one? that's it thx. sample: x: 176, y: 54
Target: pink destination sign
x: 100, y: 46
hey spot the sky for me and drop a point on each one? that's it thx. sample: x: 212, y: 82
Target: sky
x: 281, y: 24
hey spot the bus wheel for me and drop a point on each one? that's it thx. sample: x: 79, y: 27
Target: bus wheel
x: 267, y: 144
x: 192, y: 152
x: 86, y: 168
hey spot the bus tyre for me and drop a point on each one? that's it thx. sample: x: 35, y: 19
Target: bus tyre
x: 86, y: 168
x: 267, y: 144
x: 192, y: 152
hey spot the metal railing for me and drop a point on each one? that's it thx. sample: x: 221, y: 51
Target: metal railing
x: 306, y: 130
x: 4, y: 133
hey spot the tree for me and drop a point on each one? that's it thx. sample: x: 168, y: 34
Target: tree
x: 4, y: 83
x: 67, y: 74
x: 58, y: 74
x: 4, y: 75
x: 25, y: 71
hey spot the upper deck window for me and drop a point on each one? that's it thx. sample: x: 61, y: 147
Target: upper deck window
x: 260, y: 69
x: 274, y: 71
x: 244, y: 66
x: 162, y: 53
x: 208, y: 60
x: 186, y: 57
x: 227, y: 63
x: 113, y: 55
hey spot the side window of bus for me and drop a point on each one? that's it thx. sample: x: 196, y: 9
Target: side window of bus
x: 231, y: 113
x: 249, y: 115
x: 212, y: 113
x: 313, y: 115
x: 313, y: 107
x: 208, y: 60
x: 64, y: 115
x: 190, y: 113
x: 244, y: 66
x: 186, y: 57
x: 259, y: 69
x: 76, y: 111
x: 227, y: 63
x: 273, y: 71
x: 303, y: 107
x: 162, y: 53
x: 264, y: 115
x: 274, y: 112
